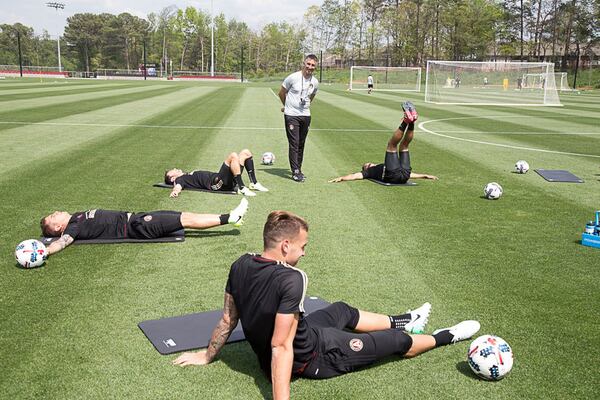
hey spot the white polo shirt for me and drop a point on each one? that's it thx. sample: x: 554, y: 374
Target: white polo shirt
x: 298, y: 89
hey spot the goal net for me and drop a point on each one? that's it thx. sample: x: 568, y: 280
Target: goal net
x: 491, y: 83
x: 562, y: 83
x: 407, y: 79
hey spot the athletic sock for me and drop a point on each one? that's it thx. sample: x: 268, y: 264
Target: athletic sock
x: 224, y: 219
x: 238, y: 180
x: 443, y: 338
x: 399, y: 321
x: 249, y: 164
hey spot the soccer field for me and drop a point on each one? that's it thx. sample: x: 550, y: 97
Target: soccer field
x: 69, y: 329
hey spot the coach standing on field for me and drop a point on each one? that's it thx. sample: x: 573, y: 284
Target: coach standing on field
x: 296, y: 93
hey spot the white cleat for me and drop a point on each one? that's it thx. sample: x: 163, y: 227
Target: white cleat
x: 246, y: 192
x: 418, y: 319
x: 259, y: 187
x: 236, y: 216
x: 461, y: 331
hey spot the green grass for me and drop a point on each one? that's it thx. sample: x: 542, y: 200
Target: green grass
x: 69, y: 329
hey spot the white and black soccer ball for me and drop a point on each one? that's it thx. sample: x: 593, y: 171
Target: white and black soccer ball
x: 268, y: 158
x: 492, y: 191
x: 31, y: 253
x: 522, y: 166
x: 490, y: 357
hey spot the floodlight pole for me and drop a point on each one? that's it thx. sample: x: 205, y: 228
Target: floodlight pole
x: 56, y: 6
x: 20, y: 57
x: 58, y: 53
x: 212, y: 40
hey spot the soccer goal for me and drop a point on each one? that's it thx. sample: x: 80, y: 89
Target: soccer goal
x: 405, y: 79
x: 491, y: 83
x: 562, y: 82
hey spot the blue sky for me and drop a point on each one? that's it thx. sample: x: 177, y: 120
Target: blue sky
x: 256, y: 13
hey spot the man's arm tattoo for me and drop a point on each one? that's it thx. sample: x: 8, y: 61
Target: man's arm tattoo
x: 223, y: 329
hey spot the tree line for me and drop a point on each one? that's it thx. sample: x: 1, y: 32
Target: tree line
x: 349, y: 32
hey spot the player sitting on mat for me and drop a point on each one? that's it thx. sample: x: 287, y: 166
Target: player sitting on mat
x: 266, y: 293
x: 106, y: 224
x: 396, y: 168
x: 229, y: 176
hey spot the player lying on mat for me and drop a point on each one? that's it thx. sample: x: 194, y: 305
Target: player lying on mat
x: 228, y: 177
x: 106, y: 224
x: 396, y: 168
x: 266, y: 293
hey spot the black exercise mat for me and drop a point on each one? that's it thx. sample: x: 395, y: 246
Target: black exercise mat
x: 558, y: 175
x: 165, y: 186
x: 177, y: 236
x: 193, y: 331
x: 409, y: 183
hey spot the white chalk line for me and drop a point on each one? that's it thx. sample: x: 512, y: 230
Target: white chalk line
x: 422, y: 127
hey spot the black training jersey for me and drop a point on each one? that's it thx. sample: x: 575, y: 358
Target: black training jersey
x: 200, y: 180
x: 97, y: 224
x: 261, y: 288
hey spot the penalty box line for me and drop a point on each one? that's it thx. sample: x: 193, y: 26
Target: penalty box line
x: 508, y: 146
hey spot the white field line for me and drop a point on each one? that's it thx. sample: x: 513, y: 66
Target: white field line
x: 422, y: 127
x: 521, y: 133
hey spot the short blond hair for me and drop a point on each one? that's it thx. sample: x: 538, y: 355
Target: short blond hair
x: 282, y: 225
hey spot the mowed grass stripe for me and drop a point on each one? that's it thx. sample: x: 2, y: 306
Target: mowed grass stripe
x: 39, y: 141
x: 11, y: 107
x: 95, y: 285
x: 22, y: 94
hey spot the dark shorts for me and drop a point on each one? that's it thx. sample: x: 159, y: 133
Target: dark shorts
x: 339, y: 350
x: 381, y: 172
x: 223, y: 180
x: 370, y: 86
x: 153, y: 224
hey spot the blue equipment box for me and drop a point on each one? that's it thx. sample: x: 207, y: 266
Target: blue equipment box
x: 592, y: 239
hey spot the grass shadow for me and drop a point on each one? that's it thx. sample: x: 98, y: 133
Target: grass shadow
x: 280, y: 172
x: 201, y: 234
x: 240, y: 358
x: 463, y: 368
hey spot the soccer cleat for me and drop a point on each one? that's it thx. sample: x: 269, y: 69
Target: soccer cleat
x: 259, y: 187
x: 298, y: 177
x: 410, y: 112
x: 236, y: 216
x: 461, y: 331
x: 246, y: 192
x: 418, y: 319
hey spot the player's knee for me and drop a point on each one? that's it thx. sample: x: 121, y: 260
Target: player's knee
x: 232, y: 157
x: 245, y: 154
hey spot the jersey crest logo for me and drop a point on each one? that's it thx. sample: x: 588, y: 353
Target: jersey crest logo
x: 291, y: 127
x: 148, y: 218
x: 356, y: 345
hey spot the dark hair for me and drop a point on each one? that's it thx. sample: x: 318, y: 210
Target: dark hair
x: 312, y: 57
x: 46, y: 231
x: 167, y: 179
x: 282, y: 225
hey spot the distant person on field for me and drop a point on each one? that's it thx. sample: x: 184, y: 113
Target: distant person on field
x: 396, y: 167
x: 265, y: 292
x: 485, y: 81
x: 369, y: 83
x: 296, y: 94
x: 107, y: 224
x: 228, y: 177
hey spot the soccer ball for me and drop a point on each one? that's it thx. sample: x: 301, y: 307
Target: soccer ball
x: 492, y: 191
x: 31, y: 253
x: 522, y: 167
x: 268, y: 158
x: 490, y: 357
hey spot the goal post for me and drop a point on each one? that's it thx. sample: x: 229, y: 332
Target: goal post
x: 491, y: 83
x: 401, y: 79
